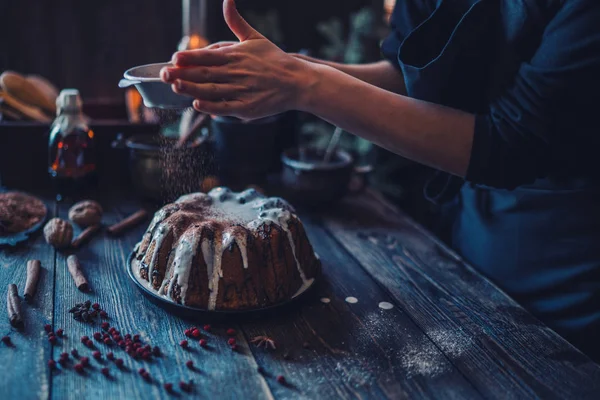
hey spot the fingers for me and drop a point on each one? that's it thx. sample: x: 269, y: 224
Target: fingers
x: 205, y: 57
x: 197, y: 74
x: 240, y: 28
x: 207, y: 91
x: 219, y: 108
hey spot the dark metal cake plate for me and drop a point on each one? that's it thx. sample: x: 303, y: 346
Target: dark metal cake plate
x: 191, y: 312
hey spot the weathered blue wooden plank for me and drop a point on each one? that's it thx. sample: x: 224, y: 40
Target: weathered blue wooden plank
x: 498, y: 346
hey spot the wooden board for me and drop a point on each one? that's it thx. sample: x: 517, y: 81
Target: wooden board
x: 485, y: 334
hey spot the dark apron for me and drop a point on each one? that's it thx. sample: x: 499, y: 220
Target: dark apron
x: 540, y: 243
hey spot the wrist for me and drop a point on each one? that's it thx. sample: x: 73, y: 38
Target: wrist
x: 309, y: 86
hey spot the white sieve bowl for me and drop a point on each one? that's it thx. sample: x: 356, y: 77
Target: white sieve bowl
x: 156, y: 93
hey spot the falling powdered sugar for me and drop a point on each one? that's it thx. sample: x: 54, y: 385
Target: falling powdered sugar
x: 325, y: 300
x: 384, y: 305
x: 351, y: 300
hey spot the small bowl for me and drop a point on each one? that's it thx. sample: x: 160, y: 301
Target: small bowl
x: 307, y: 180
x: 154, y: 91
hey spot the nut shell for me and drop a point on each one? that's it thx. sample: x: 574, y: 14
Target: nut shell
x: 86, y: 213
x: 58, y: 233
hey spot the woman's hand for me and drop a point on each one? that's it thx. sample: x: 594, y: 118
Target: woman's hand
x: 250, y: 79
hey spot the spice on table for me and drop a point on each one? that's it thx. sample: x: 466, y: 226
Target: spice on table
x: 168, y: 387
x: 60, y: 333
x: 74, y: 267
x: 85, y: 361
x: 84, y: 236
x: 33, y: 275
x: 13, y: 304
x: 202, y: 342
x: 119, y: 362
x: 207, y: 328
x: 281, y: 379
x: 128, y: 222
x: 230, y: 332
x: 48, y: 328
x: 105, y: 371
x: 264, y: 341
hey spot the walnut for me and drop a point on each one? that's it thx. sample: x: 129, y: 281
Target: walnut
x: 58, y: 233
x: 86, y: 213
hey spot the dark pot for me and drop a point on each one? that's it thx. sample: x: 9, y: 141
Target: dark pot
x: 307, y: 180
x: 245, y: 151
x: 159, y: 171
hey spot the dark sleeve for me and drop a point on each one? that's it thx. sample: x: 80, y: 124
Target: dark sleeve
x: 524, y: 132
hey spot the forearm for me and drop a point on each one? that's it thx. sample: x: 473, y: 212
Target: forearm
x: 428, y: 133
x: 381, y: 74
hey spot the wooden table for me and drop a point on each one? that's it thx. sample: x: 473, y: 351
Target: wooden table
x: 449, y: 334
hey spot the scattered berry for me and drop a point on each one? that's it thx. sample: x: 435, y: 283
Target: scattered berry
x: 146, y: 375
x: 63, y: 361
x: 231, y: 342
x: 184, y: 386
x: 89, y: 344
x: 136, y: 338
x: 84, y: 339
x: 85, y: 361
x: 203, y: 342
x: 96, y: 306
x: 107, y: 341
x: 230, y: 332
x: 112, y: 330
x: 98, y: 336
x: 48, y: 328
x: 52, y: 339
x: 78, y: 368
x: 105, y: 325
x: 119, y: 362
x: 110, y: 355
x: 141, y: 371
x: 75, y: 353
x: 117, y: 338
x: 103, y: 314
x: 187, y: 332
x: 139, y: 352
x: 146, y: 355
x: 6, y: 340
x: 60, y: 333
x: 122, y: 344
x: 51, y: 364
x: 196, y: 333
x: 137, y: 345
x: 128, y: 337
x: 64, y: 356
x: 189, y: 364
x: 97, y: 355
x: 156, y: 351
x: 183, y: 343
x: 234, y: 347
x: 168, y: 387
x: 105, y: 335
x: 207, y: 328
x: 280, y: 379
x: 104, y: 371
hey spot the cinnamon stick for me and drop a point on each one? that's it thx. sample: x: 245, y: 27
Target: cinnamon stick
x: 33, y: 275
x: 85, y: 235
x: 13, y: 304
x: 74, y: 267
x: 128, y: 222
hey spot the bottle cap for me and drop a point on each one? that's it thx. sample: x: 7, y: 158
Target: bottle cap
x: 68, y: 100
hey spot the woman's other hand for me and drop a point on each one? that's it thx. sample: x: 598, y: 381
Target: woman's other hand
x: 250, y: 79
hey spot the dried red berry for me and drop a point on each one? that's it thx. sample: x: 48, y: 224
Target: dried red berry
x: 196, y: 333
x: 202, y: 342
x: 6, y: 340
x: 146, y: 375
x: 280, y: 379
x: 189, y: 364
x: 60, y: 333
x: 89, y: 344
x: 78, y: 368
x: 234, y: 347
x: 231, y: 342
x: 207, y: 328
x: 75, y: 353
x: 63, y: 361
x: 128, y: 337
x: 103, y: 314
x: 105, y: 335
x: 85, y: 361
x: 156, y: 351
x: 184, y: 386
x: 117, y: 338
x: 104, y: 371
x: 112, y: 329
x: 110, y: 355
x: 96, y: 306
x: 137, y: 345
x: 97, y: 355
x: 231, y: 332
x: 107, y: 341
x: 146, y: 355
x: 64, y: 356
x: 122, y: 344
x: 105, y: 325
x: 168, y: 387
x: 97, y: 336
x: 52, y: 339
x: 141, y: 371
x: 187, y: 332
x: 48, y: 328
x: 129, y: 342
x: 51, y: 364
x: 183, y: 343
x: 119, y: 362
x: 136, y: 338
x: 84, y: 339
x: 139, y: 352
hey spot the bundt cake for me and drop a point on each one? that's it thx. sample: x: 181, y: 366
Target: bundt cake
x: 226, y: 251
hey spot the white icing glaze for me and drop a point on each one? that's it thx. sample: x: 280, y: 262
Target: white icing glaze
x: 159, y: 237
x: 248, y: 208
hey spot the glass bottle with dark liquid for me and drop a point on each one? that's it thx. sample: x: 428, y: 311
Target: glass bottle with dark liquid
x: 72, y: 158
